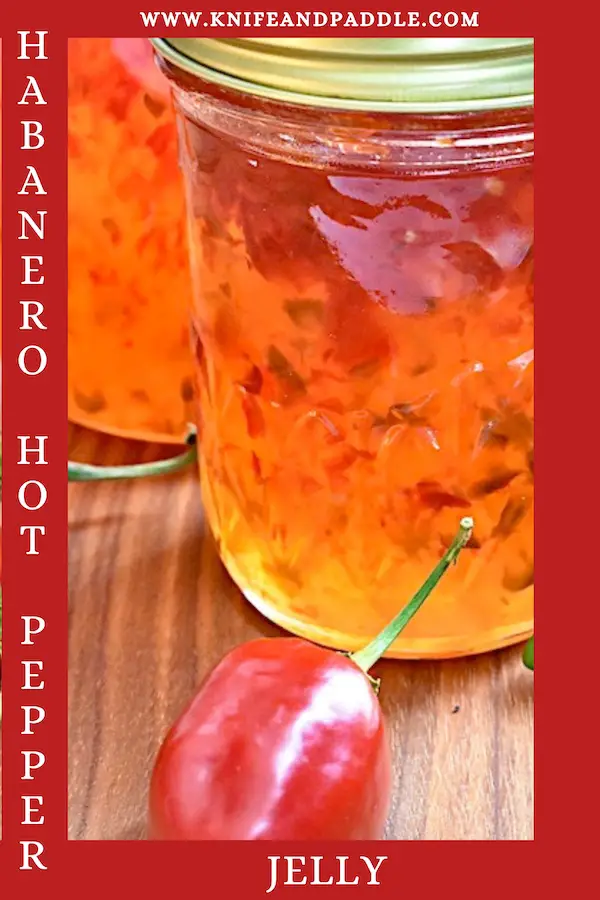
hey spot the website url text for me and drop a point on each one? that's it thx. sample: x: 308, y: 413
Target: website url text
x: 255, y: 19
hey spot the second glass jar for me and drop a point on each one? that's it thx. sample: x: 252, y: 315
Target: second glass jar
x: 129, y: 361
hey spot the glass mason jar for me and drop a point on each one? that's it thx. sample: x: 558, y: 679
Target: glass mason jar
x: 361, y: 226
x: 129, y: 356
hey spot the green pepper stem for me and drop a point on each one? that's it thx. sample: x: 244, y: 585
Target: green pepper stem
x: 369, y: 655
x: 84, y: 472
x: 528, y: 654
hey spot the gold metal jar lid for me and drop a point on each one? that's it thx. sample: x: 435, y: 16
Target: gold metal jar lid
x: 428, y: 75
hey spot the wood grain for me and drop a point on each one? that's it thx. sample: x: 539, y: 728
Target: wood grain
x: 152, y: 610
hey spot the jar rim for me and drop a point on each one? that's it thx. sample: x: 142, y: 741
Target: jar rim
x: 420, y: 75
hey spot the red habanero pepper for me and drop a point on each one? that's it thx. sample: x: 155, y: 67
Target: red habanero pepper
x: 285, y: 740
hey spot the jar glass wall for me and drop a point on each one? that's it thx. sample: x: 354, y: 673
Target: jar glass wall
x: 129, y: 357
x: 363, y: 329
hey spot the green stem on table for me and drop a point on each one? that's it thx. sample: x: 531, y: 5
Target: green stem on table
x: 369, y: 655
x: 528, y: 654
x: 84, y: 472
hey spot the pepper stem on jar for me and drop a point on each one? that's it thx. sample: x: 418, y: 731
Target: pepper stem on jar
x: 369, y: 655
x: 84, y: 472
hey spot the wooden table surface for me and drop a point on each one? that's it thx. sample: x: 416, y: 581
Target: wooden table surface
x: 152, y: 610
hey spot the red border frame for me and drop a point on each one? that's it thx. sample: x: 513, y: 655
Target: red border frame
x: 565, y: 535
x: 34, y: 405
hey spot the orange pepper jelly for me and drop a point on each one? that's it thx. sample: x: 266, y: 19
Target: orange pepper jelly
x: 363, y: 332
x: 130, y: 370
